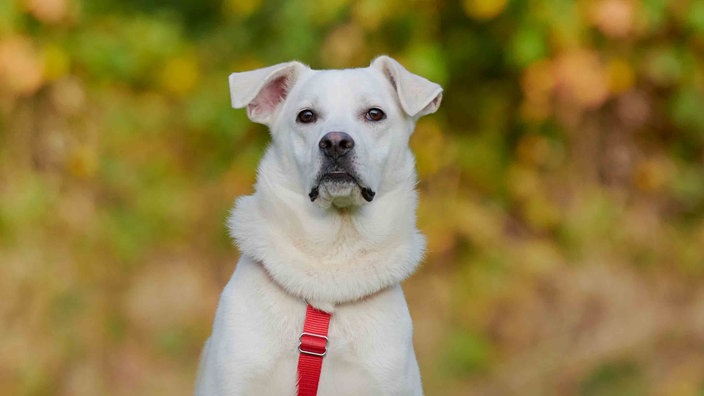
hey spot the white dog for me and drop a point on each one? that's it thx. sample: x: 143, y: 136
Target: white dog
x: 331, y: 224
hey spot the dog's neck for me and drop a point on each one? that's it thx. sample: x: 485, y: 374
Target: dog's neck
x: 326, y: 256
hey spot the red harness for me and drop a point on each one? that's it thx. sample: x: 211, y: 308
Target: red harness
x: 313, y: 346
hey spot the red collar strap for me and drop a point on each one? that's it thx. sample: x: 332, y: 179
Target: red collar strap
x: 313, y: 346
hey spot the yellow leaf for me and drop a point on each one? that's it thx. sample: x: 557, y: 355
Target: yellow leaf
x: 370, y: 14
x: 323, y: 12
x: 83, y: 161
x: 621, y: 76
x: 241, y: 8
x: 57, y: 62
x: 180, y: 75
x: 484, y: 9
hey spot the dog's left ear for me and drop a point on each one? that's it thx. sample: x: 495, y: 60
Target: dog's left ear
x: 418, y: 96
x: 263, y: 90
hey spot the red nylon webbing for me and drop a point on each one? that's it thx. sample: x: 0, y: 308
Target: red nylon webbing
x: 315, y: 328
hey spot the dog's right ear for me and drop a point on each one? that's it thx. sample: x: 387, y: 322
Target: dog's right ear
x: 263, y: 90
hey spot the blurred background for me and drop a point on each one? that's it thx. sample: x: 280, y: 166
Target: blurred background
x: 562, y: 186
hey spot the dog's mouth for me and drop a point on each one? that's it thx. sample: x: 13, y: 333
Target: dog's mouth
x: 337, y: 176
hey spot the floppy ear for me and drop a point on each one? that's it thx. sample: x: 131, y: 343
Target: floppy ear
x: 263, y: 90
x: 418, y: 96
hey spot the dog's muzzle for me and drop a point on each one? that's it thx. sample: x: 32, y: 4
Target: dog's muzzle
x: 336, y: 148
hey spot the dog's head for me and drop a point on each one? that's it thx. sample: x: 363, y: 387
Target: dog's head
x: 342, y: 135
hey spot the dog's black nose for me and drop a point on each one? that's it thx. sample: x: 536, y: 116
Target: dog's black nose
x: 336, y: 144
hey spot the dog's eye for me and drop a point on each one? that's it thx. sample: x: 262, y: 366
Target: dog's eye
x: 306, y: 117
x: 375, y: 114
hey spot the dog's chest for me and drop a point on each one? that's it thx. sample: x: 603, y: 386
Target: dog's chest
x: 341, y: 375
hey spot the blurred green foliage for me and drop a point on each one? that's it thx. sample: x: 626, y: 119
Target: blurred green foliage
x: 562, y: 186
x: 615, y: 379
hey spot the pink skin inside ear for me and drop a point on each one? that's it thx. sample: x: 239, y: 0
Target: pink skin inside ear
x: 269, y: 97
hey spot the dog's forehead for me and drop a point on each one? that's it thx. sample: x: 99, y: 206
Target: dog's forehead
x: 340, y: 86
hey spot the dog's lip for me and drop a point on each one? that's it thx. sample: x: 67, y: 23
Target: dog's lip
x: 339, y: 175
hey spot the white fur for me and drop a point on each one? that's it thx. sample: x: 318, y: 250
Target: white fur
x: 339, y: 253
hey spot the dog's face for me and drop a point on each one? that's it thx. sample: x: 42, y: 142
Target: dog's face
x: 342, y: 126
x: 342, y: 132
